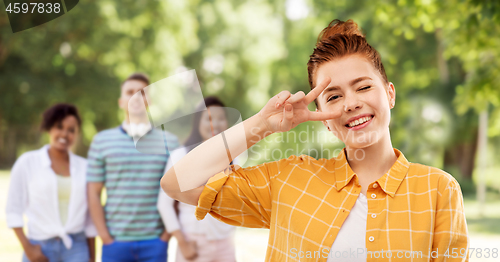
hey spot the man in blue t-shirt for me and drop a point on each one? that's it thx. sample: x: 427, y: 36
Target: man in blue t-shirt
x: 129, y: 225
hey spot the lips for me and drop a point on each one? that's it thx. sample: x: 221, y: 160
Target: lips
x: 359, y: 120
x: 62, y: 140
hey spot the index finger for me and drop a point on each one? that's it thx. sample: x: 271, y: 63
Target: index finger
x: 316, y: 91
x: 322, y: 116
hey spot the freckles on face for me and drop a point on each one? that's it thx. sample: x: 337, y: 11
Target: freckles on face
x: 359, y: 93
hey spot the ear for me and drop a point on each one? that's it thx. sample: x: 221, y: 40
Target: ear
x: 391, y: 95
x: 120, y: 102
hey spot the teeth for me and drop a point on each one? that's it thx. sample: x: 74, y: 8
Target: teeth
x: 62, y: 140
x: 360, y: 121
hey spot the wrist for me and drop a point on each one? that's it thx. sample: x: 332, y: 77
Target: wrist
x: 106, y: 237
x: 179, y: 236
x: 28, y: 246
x: 259, y: 128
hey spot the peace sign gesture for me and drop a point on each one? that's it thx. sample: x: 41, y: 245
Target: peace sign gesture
x: 285, y: 111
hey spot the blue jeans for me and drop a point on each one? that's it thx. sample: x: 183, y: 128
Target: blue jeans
x: 55, y: 250
x: 153, y: 250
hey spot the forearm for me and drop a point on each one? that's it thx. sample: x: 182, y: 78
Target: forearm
x: 91, y: 244
x: 210, y: 158
x: 179, y: 236
x: 97, y: 214
x: 25, y: 243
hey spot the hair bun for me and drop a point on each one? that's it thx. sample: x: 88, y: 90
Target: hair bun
x: 337, y: 26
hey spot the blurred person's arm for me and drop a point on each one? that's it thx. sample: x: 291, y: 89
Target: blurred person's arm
x: 90, y: 233
x: 91, y: 244
x: 170, y: 218
x: 94, y: 190
x: 17, y: 201
x: 281, y: 113
x: 96, y: 176
x: 33, y: 252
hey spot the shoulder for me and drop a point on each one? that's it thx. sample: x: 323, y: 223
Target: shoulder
x: 106, y: 136
x: 28, y: 159
x: 435, y: 176
x: 301, y: 164
x: 29, y: 156
x: 107, y: 132
x: 168, y: 136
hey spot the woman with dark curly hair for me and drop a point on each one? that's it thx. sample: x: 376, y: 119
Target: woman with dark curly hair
x: 48, y: 185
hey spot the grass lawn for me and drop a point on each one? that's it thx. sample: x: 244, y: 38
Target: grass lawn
x: 251, y: 244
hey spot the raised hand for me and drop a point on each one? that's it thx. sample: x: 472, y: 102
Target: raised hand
x: 285, y: 111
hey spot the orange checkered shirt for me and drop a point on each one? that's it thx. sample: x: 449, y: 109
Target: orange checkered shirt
x: 415, y: 212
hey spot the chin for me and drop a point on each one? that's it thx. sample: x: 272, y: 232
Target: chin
x: 137, y: 113
x: 61, y: 147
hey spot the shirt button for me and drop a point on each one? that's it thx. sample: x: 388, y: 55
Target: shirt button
x: 375, y: 185
x: 374, y: 196
x: 374, y: 215
x: 371, y: 238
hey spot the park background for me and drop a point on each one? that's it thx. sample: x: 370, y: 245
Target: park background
x: 442, y: 56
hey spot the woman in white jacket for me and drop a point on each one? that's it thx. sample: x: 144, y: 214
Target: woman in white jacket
x: 208, y: 240
x: 48, y: 185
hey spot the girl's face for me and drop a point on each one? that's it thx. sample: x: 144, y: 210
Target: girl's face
x: 63, y: 134
x: 218, y: 119
x: 365, y: 100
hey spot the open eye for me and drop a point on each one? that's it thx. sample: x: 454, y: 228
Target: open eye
x: 364, y: 88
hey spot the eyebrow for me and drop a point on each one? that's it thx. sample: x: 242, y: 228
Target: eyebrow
x: 353, y: 82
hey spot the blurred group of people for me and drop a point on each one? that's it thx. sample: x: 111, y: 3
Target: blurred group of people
x: 60, y: 193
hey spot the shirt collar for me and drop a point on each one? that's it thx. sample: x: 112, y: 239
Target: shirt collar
x: 45, y: 158
x: 389, y: 182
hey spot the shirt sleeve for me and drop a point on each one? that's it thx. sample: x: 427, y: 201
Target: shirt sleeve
x: 450, y: 241
x: 240, y: 196
x: 166, y: 203
x: 17, y: 197
x: 95, y: 163
x: 167, y: 212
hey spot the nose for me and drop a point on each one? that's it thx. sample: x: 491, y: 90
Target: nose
x: 351, y: 103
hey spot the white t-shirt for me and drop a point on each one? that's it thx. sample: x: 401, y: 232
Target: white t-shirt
x: 350, y: 243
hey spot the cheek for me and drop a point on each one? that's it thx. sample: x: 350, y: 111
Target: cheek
x: 204, y: 127
x: 222, y: 125
x: 334, y: 125
x: 53, y: 133
x: 71, y: 136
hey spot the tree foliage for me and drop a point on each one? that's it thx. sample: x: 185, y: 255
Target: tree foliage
x: 442, y: 57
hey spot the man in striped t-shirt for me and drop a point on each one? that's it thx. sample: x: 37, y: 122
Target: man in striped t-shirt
x: 129, y: 225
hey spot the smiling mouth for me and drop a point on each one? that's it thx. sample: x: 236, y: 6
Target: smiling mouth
x: 359, y: 121
x: 62, y: 140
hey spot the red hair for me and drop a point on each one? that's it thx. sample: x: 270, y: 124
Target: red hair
x: 340, y: 39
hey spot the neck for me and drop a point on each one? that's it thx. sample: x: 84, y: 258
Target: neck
x: 57, y: 153
x: 376, y: 160
x: 137, y: 120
